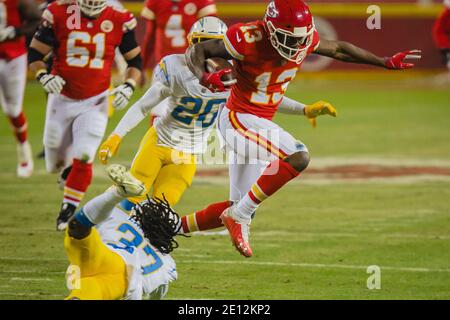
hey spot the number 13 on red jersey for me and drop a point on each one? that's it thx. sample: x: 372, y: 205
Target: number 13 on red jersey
x: 264, y: 95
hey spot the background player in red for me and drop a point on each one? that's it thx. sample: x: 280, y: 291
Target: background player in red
x: 18, y: 18
x: 167, y: 25
x: 83, y: 36
x: 441, y: 33
x: 267, y: 55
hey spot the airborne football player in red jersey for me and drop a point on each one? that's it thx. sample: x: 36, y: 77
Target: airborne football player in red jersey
x: 267, y: 55
x: 18, y: 18
x: 167, y: 25
x: 83, y: 35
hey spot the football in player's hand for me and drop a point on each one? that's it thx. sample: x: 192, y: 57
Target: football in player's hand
x: 216, y: 64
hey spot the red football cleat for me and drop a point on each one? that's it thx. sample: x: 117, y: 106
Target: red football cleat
x: 239, y: 233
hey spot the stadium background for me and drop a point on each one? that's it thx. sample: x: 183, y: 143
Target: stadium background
x: 405, y: 24
x: 376, y: 192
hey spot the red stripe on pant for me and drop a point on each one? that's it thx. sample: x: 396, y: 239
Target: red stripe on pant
x: 241, y: 129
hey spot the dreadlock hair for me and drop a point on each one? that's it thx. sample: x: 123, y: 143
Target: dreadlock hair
x: 159, y: 223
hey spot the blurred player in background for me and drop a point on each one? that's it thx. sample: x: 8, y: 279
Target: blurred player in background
x: 83, y: 36
x: 267, y: 55
x: 18, y: 18
x: 441, y: 33
x: 167, y: 24
x: 122, y: 257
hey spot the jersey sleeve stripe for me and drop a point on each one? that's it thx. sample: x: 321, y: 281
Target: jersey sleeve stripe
x: 231, y: 50
x: 207, y: 11
x: 147, y: 14
x: 317, y: 45
x: 130, y: 25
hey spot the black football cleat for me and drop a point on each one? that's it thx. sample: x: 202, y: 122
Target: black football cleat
x: 66, y: 213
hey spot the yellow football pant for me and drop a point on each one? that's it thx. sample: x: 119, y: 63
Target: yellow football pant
x: 102, y: 273
x: 169, y: 171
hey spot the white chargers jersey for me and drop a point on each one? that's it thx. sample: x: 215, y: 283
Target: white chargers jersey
x: 192, y: 109
x: 148, y: 269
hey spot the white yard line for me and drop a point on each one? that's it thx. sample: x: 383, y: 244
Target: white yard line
x: 314, y: 180
x: 265, y: 263
x: 27, y: 279
x: 312, y: 265
x: 32, y: 272
x: 26, y: 294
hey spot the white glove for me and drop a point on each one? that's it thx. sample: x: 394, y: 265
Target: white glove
x: 122, y: 94
x: 7, y: 33
x: 51, y: 83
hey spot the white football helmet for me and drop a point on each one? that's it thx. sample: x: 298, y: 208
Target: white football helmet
x: 207, y: 28
x: 92, y: 8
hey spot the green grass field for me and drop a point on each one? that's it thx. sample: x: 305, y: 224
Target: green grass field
x: 311, y: 240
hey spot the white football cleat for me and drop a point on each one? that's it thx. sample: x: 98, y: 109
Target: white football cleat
x: 126, y: 184
x: 25, y: 163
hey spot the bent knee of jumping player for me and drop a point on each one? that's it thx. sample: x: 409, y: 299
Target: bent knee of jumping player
x: 299, y: 160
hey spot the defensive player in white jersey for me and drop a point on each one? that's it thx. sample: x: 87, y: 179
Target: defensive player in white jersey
x: 167, y: 154
x: 117, y: 256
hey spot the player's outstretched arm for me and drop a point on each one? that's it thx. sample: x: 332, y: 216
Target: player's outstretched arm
x: 310, y: 111
x: 196, y: 57
x: 347, y: 52
x: 135, y: 114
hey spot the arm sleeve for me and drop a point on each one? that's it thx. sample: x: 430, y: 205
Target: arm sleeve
x: 235, y: 42
x: 45, y: 32
x: 290, y: 106
x: 137, y: 112
x: 128, y: 42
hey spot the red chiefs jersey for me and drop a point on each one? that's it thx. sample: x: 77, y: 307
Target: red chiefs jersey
x: 10, y: 16
x: 441, y: 30
x: 173, y: 22
x: 262, y: 74
x: 85, y: 51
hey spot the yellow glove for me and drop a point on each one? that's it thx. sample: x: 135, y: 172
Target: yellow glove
x: 319, y: 108
x: 109, y: 148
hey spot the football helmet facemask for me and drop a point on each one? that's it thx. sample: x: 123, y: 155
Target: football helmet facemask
x: 92, y: 8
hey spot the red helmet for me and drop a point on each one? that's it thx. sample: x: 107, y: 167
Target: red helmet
x: 291, y: 28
